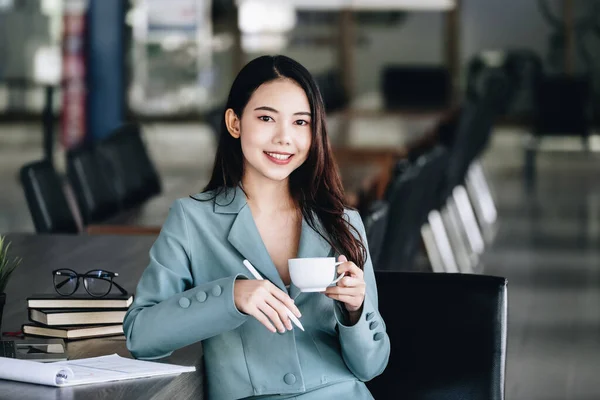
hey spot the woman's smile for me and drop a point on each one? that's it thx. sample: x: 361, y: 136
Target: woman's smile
x: 279, y: 158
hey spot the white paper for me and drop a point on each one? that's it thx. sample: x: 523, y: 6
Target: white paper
x: 84, y: 371
x: 50, y: 374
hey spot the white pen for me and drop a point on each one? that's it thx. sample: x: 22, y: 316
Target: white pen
x: 257, y: 276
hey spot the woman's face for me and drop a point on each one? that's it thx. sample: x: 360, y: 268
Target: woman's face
x: 275, y: 130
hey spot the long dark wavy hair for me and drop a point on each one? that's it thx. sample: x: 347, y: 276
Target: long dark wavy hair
x: 315, y: 186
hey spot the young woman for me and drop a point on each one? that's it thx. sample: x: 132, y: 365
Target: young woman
x: 275, y: 194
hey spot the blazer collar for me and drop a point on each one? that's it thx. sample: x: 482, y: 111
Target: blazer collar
x: 246, y: 239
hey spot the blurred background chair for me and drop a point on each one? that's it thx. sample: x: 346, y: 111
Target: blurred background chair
x: 95, y: 196
x: 448, y: 336
x: 46, y: 199
x: 128, y: 166
x: 563, y: 107
x: 410, y: 199
x: 332, y: 90
x: 375, y: 220
x: 416, y: 87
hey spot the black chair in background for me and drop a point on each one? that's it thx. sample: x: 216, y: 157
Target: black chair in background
x: 332, y: 90
x: 416, y: 87
x: 448, y: 336
x: 375, y: 221
x: 411, y: 198
x: 95, y: 196
x: 46, y: 199
x: 129, y: 168
x: 563, y: 107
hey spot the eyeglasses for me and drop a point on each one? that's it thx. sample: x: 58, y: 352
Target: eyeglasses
x: 97, y: 282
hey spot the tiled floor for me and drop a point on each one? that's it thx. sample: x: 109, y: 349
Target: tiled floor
x: 547, y: 246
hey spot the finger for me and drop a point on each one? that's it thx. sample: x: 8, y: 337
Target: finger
x: 286, y: 300
x: 349, y: 300
x: 342, y: 259
x: 272, y: 315
x: 351, y: 291
x: 262, y: 318
x: 348, y: 281
x: 281, y: 310
x: 351, y: 268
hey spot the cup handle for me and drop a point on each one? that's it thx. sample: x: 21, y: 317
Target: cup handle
x: 338, y: 279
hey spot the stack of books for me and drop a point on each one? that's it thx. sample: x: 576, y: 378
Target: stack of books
x: 76, y: 317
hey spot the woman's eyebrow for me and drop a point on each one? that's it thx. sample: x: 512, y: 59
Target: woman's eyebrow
x: 266, y: 108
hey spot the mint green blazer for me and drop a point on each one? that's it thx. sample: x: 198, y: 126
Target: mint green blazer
x: 185, y: 295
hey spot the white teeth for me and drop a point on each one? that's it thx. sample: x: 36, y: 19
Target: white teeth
x: 279, y: 156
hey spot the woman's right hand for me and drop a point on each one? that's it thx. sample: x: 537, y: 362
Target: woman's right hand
x: 265, y: 302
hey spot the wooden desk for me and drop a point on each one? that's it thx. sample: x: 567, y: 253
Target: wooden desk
x: 127, y: 255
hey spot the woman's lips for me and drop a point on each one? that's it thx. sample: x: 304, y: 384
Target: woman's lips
x: 279, y: 158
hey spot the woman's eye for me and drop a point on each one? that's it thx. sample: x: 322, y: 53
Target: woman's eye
x: 265, y: 118
x: 301, y: 122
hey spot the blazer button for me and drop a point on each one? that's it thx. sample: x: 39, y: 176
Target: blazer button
x: 373, y: 325
x: 370, y: 316
x: 184, y: 302
x: 201, y: 297
x: 216, y: 291
x: 378, y: 336
x: 290, y: 379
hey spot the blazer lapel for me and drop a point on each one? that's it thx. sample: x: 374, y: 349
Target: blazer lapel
x: 311, y: 245
x: 244, y: 235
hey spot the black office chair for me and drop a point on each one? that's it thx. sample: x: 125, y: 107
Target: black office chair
x: 416, y: 87
x: 448, y: 336
x: 124, y: 157
x: 375, y: 221
x: 332, y: 90
x: 470, y: 133
x: 95, y: 195
x: 46, y: 199
x: 411, y: 198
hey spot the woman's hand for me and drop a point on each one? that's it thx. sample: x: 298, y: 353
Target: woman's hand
x: 265, y: 302
x: 351, y: 289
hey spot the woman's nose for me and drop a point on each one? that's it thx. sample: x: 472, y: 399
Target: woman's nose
x: 282, y: 135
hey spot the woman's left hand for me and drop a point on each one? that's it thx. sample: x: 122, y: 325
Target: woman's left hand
x: 350, y: 290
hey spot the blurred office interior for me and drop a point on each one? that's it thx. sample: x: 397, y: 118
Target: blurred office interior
x: 72, y: 72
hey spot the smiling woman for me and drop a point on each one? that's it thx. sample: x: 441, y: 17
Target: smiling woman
x: 275, y: 194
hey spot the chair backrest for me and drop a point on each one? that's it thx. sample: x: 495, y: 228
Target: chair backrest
x: 448, y: 336
x: 411, y: 197
x: 128, y: 165
x: 563, y: 106
x: 473, y: 130
x: 375, y: 222
x: 332, y: 90
x: 95, y: 195
x: 46, y: 199
x: 416, y: 87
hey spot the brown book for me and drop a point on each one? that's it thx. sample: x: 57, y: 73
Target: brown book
x: 78, y: 301
x: 73, y: 332
x: 89, y: 316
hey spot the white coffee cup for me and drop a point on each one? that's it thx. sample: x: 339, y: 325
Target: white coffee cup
x: 313, y: 274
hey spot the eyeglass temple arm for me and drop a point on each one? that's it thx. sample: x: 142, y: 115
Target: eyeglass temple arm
x: 63, y: 283
x: 123, y: 291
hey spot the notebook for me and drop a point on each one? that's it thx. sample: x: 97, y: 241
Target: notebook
x: 85, y: 371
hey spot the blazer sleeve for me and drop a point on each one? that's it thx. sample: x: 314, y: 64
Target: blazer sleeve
x: 170, y: 309
x: 365, y: 345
